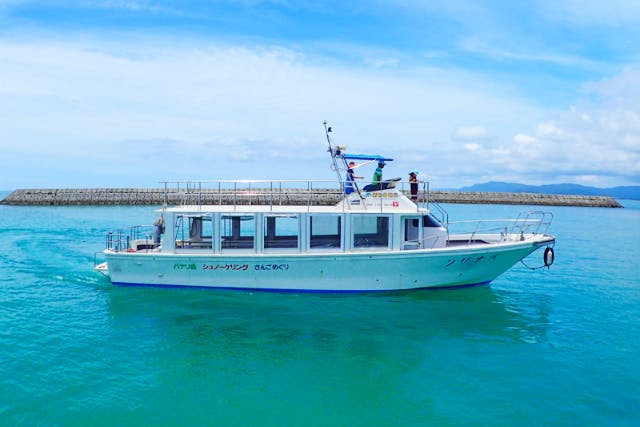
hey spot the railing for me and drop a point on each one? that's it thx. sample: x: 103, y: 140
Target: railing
x: 272, y: 193
x: 439, y: 213
x: 428, y: 242
x: 527, y: 223
x: 124, y: 239
x: 252, y: 192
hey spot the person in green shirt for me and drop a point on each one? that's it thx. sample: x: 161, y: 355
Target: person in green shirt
x: 377, y: 175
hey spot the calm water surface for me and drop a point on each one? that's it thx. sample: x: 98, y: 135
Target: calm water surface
x: 557, y: 347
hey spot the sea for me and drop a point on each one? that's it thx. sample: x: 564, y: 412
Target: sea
x: 550, y: 347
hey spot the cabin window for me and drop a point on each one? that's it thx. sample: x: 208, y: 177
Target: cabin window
x: 325, y: 231
x: 429, y: 221
x: 370, y: 231
x: 411, y: 229
x: 281, y: 231
x: 237, y: 231
x: 193, y: 232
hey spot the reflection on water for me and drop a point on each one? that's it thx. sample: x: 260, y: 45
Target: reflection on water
x: 355, y: 353
x: 241, y: 323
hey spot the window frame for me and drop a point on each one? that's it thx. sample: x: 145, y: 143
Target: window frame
x: 352, y: 232
x: 222, y: 236
x: 182, y: 232
x: 265, y: 230
x: 341, y: 233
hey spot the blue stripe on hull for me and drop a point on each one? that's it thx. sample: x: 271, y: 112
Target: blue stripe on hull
x: 298, y: 291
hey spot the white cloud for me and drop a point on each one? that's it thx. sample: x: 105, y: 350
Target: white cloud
x: 596, y: 141
x: 524, y: 139
x: 95, y: 112
x: 549, y: 130
x: 588, y: 179
x: 68, y: 98
x: 594, y: 13
x: 470, y: 133
x: 382, y: 62
x: 494, y: 50
x: 134, y: 5
x: 593, y: 142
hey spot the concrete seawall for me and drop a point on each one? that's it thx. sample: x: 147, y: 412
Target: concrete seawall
x: 155, y: 196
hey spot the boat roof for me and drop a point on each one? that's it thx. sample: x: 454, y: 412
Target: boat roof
x: 197, y: 210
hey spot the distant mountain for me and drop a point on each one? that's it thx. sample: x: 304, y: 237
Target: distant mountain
x: 627, y: 192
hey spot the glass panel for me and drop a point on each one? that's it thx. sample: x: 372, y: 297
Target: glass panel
x: 281, y: 231
x: 193, y: 232
x: 411, y: 234
x: 237, y: 232
x: 325, y: 231
x: 370, y: 231
x: 429, y: 221
x: 411, y: 229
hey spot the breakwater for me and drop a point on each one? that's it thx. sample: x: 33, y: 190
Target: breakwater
x: 156, y: 196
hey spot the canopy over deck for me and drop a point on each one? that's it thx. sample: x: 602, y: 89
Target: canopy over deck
x: 367, y: 157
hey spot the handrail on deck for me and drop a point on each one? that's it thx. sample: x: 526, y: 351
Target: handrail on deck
x: 530, y: 222
x: 121, y: 240
x: 270, y: 192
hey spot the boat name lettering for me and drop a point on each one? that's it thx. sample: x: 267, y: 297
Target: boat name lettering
x: 182, y: 266
x: 226, y: 267
x: 270, y: 267
x: 468, y: 259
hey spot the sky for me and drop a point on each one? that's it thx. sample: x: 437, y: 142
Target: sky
x: 128, y: 93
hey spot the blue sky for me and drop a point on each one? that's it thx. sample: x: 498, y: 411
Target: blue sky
x: 128, y: 93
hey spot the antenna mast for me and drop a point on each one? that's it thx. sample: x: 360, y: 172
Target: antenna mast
x: 335, y: 152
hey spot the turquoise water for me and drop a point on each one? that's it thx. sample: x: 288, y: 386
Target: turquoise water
x: 557, y: 347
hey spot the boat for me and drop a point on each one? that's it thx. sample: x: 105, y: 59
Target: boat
x: 289, y: 236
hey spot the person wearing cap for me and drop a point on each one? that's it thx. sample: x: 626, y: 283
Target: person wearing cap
x: 413, y: 183
x: 349, y: 185
x: 377, y: 175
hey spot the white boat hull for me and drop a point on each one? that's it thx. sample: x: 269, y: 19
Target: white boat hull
x: 323, y: 272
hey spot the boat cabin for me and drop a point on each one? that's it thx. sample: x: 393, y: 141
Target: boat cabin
x: 379, y: 221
